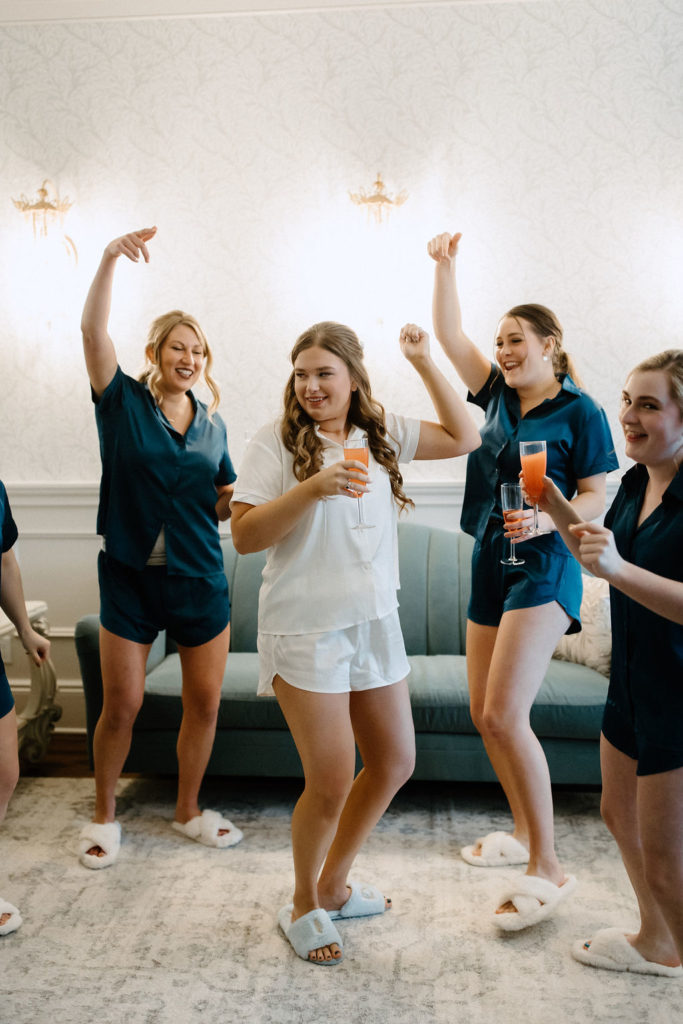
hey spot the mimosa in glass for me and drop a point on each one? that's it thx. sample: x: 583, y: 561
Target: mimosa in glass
x: 532, y: 455
x: 512, y: 505
x: 357, y: 449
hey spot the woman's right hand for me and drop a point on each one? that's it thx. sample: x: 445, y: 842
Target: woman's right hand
x: 132, y: 245
x: 442, y: 248
x: 335, y: 479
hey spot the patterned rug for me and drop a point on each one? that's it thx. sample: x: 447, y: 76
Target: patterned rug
x: 176, y: 932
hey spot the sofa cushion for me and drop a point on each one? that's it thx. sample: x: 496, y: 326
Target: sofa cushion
x: 568, y: 706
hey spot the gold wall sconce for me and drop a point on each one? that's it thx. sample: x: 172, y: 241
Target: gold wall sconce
x: 378, y: 202
x: 44, y: 211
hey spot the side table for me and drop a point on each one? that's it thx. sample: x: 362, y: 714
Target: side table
x: 36, y: 720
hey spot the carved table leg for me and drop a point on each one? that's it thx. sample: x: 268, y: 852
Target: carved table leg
x: 36, y: 720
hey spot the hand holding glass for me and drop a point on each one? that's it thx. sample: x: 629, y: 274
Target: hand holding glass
x: 357, y: 448
x: 511, y: 503
x: 532, y: 455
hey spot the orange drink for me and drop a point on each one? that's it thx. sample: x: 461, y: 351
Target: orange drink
x: 533, y: 471
x: 351, y: 451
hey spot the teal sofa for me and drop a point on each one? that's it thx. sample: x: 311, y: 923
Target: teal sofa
x: 252, y: 737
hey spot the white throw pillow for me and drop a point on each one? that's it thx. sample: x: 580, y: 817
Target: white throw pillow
x: 593, y: 645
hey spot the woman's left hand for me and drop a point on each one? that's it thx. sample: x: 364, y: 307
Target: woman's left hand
x: 519, y: 529
x: 36, y: 646
x: 414, y: 343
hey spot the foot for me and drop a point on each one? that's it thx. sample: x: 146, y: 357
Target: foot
x: 556, y: 877
x: 209, y: 828
x: 302, y: 930
x: 498, y: 849
x: 10, y: 918
x: 353, y: 900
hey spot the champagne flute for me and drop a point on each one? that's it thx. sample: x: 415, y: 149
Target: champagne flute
x: 357, y: 448
x: 532, y: 455
x: 512, y: 505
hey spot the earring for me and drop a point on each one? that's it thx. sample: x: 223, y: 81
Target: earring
x: 545, y: 359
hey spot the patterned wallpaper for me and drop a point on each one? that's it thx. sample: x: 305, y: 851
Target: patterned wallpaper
x: 548, y: 132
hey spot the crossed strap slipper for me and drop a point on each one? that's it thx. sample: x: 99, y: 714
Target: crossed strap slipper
x: 534, y: 899
x: 311, y: 931
x: 610, y: 949
x: 107, y: 837
x: 364, y: 901
x: 498, y: 849
x: 13, y: 921
x: 206, y: 827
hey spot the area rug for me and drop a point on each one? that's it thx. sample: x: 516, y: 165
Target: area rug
x: 176, y: 932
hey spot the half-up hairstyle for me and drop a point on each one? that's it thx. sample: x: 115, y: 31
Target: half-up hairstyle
x: 158, y: 333
x: 669, y: 362
x: 298, y: 429
x: 545, y: 324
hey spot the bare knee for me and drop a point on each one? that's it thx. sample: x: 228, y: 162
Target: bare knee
x: 327, y: 796
x: 8, y: 783
x: 119, y: 715
x: 202, y: 709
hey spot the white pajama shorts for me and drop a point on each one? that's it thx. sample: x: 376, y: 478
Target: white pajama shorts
x: 361, y: 657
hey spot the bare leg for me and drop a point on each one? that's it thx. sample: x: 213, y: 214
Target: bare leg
x: 321, y: 728
x: 123, y: 681
x: 524, y: 644
x: 645, y: 816
x: 9, y: 767
x: 383, y: 727
x: 481, y: 642
x: 203, y: 669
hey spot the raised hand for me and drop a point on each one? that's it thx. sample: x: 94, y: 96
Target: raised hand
x: 414, y: 342
x: 442, y: 248
x: 132, y: 245
x: 597, y: 550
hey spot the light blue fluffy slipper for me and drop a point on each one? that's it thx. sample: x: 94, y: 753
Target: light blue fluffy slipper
x: 364, y: 901
x: 312, y: 931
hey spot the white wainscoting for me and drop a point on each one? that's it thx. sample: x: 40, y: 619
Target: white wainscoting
x: 58, y: 548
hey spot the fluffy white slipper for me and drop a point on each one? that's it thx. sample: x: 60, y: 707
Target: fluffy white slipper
x: 312, y: 931
x: 499, y: 849
x: 610, y: 949
x: 13, y: 922
x: 107, y: 837
x: 364, y: 901
x: 534, y: 898
x: 205, y: 828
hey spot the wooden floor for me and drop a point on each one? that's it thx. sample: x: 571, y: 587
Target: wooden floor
x: 66, y: 757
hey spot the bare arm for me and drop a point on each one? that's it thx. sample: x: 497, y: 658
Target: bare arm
x: 455, y: 433
x: 14, y: 606
x: 471, y: 364
x: 598, y: 553
x: 557, y: 512
x: 256, y: 527
x: 100, y: 354
x: 223, y: 503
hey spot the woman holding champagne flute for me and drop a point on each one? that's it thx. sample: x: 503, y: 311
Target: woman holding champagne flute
x: 330, y: 644
x: 517, y: 613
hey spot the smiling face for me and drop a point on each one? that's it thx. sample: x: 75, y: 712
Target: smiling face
x: 651, y: 419
x: 323, y: 387
x: 519, y: 353
x: 181, y: 360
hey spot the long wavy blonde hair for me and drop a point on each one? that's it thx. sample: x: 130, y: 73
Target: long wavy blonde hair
x: 298, y: 429
x: 158, y: 333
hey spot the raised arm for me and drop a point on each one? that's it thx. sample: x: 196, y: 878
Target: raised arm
x: 456, y: 432
x: 100, y: 354
x: 256, y: 527
x: 471, y: 364
x: 13, y: 605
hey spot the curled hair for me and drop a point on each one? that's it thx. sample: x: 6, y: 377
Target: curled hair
x: 298, y: 429
x: 158, y: 333
x: 545, y: 324
x: 671, y: 363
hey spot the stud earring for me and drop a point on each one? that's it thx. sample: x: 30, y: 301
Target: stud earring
x: 545, y: 359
